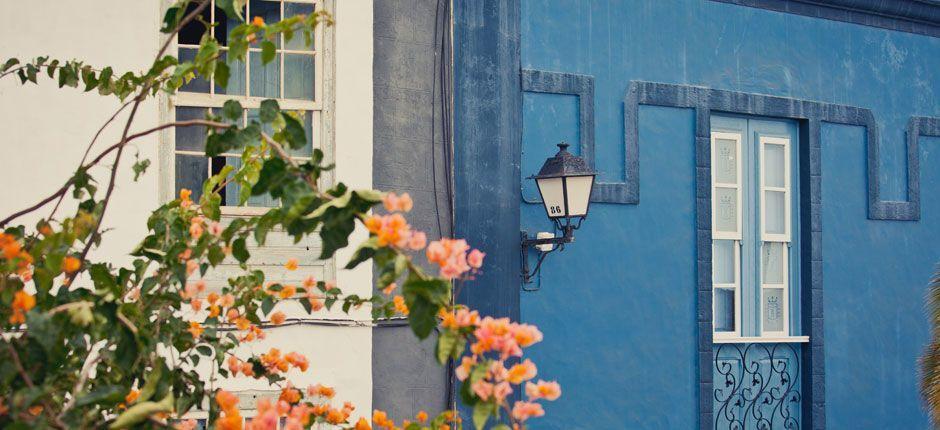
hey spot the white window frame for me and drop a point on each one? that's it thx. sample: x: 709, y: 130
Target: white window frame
x: 769, y: 238
x: 735, y: 237
x: 321, y: 108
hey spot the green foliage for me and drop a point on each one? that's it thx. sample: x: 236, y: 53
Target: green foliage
x: 930, y: 360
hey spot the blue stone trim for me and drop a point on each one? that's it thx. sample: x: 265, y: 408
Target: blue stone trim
x: 910, y: 16
x: 488, y: 141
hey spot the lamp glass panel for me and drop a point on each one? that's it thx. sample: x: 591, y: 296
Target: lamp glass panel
x: 553, y: 196
x: 579, y: 194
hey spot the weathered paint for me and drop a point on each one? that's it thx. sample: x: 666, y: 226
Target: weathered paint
x: 618, y: 306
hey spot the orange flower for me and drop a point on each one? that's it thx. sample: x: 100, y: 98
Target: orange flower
x: 310, y: 282
x: 287, y: 292
x: 335, y: 416
x: 325, y: 391
x: 131, y: 396
x: 363, y: 424
x: 421, y: 417
x: 278, y: 318
x: 291, y: 264
x: 11, y: 248
x: 226, y: 400
x: 258, y: 21
x: 290, y: 395
x: 543, y: 390
x: 400, y: 305
x: 195, y: 329
x: 45, y: 229
x: 388, y: 290
x: 521, y: 372
x: 297, y: 360
x: 22, y: 303
x: 394, y: 202
x: 71, y: 264
x: 35, y: 410
x: 214, y: 311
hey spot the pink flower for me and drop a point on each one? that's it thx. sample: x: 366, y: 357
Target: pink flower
x: 191, y: 266
x: 394, y: 202
x: 521, y: 372
x: 466, y: 365
x: 215, y: 228
x: 189, y: 424
x: 543, y: 390
x: 501, y: 391
x: 475, y: 259
x: 418, y: 241
x: 195, y: 229
x: 227, y: 301
x: 522, y: 411
x: 482, y: 389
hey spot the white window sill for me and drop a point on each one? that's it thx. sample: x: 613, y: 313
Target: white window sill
x: 762, y: 339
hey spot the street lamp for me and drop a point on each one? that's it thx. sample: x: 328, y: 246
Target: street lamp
x: 565, y: 183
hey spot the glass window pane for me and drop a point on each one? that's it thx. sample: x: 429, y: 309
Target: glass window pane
x: 723, y: 262
x: 724, y: 310
x: 726, y: 209
x: 190, y: 138
x: 775, y: 208
x: 774, y: 165
x: 307, y: 150
x: 297, y: 42
x: 726, y: 161
x: 265, y: 78
x: 191, y: 172
x: 270, y: 10
x: 236, y: 78
x: 192, y: 32
x: 298, y: 76
x: 773, y: 309
x: 198, y: 84
x: 225, y: 25
x: 233, y: 190
x: 772, y: 259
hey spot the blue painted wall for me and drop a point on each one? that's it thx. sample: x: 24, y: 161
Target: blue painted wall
x: 618, y: 307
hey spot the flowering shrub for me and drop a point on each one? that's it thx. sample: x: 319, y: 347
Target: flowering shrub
x: 90, y: 345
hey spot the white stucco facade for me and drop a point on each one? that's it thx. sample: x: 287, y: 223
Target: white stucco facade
x: 47, y: 130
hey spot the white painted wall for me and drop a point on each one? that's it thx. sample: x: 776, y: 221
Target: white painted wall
x: 47, y: 129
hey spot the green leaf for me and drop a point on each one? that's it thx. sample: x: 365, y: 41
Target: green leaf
x: 365, y: 251
x: 446, y: 343
x: 269, y: 110
x: 481, y: 413
x: 268, y: 51
x: 103, y: 279
x: 267, y: 305
x: 10, y: 63
x: 232, y: 8
x: 141, y: 411
x: 107, y: 394
x: 140, y: 167
x: 240, y: 250
x: 222, y: 73
x: 500, y: 427
x: 232, y: 110
x: 294, y: 132
x: 171, y: 18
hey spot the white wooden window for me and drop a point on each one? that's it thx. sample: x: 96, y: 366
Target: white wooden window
x: 726, y: 233
x: 299, y: 78
x: 775, y: 235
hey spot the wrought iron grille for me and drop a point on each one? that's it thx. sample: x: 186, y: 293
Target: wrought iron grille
x: 757, y: 386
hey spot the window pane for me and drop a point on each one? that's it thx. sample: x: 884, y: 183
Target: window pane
x: 236, y: 78
x: 298, y: 76
x: 198, y: 84
x: 191, y: 172
x: 307, y: 150
x: 233, y: 190
x: 190, y: 138
x: 774, y: 165
x: 265, y: 78
x: 723, y: 262
x: 726, y: 163
x: 297, y: 42
x: 773, y: 309
x: 775, y: 208
x: 726, y: 209
x: 192, y: 32
x: 772, y: 259
x: 724, y: 310
x: 269, y: 10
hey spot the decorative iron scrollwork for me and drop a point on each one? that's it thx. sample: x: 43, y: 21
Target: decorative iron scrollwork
x: 757, y: 386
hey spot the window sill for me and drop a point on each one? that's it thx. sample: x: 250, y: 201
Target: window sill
x: 760, y: 339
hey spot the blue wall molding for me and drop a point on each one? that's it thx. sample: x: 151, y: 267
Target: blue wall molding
x: 911, y: 16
